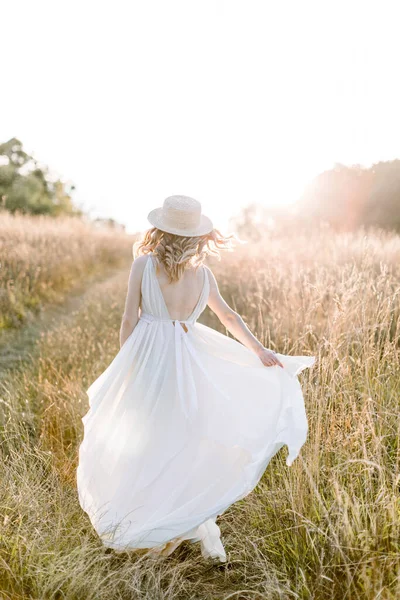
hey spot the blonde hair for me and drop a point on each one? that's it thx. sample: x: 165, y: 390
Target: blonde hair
x: 177, y: 252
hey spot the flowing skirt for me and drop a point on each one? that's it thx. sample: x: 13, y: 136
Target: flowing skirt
x: 148, y: 474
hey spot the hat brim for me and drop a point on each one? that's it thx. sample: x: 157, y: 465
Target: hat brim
x: 205, y: 226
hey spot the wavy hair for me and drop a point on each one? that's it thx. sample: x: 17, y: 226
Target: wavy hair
x: 177, y: 252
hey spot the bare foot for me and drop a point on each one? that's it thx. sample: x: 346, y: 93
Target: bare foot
x: 165, y: 549
x: 171, y: 546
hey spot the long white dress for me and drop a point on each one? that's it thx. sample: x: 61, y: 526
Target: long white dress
x: 182, y: 424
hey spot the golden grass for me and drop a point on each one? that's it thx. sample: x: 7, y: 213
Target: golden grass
x: 42, y: 258
x: 327, y: 527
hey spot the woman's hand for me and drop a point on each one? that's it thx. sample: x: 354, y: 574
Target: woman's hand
x: 268, y: 358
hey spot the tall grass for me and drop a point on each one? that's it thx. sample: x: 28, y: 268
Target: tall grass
x: 327, y: 527
x: 41, y: 258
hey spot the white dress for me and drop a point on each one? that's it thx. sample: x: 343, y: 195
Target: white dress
x: 182, y: 424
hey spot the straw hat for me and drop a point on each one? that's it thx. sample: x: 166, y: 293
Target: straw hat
x: 180, y: 215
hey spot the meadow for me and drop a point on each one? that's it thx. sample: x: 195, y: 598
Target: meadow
x: 41, y: 259
x: 328, y: 527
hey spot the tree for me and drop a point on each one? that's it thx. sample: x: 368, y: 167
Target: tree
x: 27, y: 187
x: 350, y: 196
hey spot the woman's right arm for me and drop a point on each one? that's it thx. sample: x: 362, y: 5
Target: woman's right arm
x: 235, y: 324
x: 132, y: 301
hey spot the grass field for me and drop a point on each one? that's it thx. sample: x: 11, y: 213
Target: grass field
x: 328, y: 527
x: 41, y: 259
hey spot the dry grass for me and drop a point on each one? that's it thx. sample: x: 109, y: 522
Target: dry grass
x: 325, y: 528
x: 42, y: 258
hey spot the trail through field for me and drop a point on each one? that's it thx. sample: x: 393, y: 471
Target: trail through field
x: 18, y: 345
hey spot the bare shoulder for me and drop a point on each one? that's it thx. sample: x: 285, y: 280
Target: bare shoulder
x: 211, y: 277
x: 138, y: 265
x: 216, y: 302
x: 141, y: 260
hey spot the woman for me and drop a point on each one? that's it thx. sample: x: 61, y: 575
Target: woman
x: 185, y: 420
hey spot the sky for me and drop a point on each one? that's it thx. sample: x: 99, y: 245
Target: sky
x: 228, y: 101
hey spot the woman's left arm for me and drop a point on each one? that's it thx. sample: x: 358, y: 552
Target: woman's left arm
x: 133, y: 298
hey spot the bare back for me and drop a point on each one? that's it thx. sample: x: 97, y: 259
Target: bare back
x: 181, y: 296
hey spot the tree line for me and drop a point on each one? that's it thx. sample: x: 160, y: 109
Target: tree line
x: 28, y: 187
x: 345, y: 197
x: 352, y: 196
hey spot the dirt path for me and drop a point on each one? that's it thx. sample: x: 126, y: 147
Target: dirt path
x: 18, y: 345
